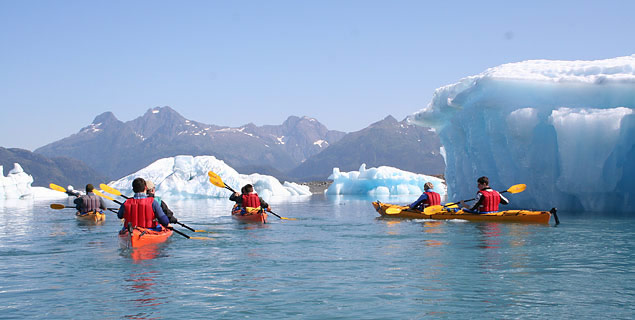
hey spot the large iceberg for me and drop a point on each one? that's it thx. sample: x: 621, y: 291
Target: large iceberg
x: 564, y: 128
x: 186, y: 177
x: 16, y: 185
x: 381, y: 181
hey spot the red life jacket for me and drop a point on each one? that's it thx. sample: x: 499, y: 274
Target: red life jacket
x: 251, y: 200
x: 490, y: 202
x: 139, y: 212
x: 434, y: 199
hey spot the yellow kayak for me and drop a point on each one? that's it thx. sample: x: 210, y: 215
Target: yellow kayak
x: 93, y: 216
x: 397, y: 211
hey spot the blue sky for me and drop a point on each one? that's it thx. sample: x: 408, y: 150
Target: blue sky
x: 345, y: 63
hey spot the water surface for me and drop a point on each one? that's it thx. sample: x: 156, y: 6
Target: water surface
x: 339, y: 260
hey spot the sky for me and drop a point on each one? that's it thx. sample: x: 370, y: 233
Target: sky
x: 346, y: 63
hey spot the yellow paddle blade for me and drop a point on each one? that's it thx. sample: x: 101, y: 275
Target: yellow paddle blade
x: 284, y: 218
x: 202, y: 238
x: 109, y: 189
x: 215, y: 179
x: 57, y: 206
x: 432, y: 210
x: 97, y: 192
x: 393, y: 210
x: 517, y: 188
x: 57, y: 188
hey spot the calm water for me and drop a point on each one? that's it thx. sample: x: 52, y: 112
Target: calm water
x: 338, y: 261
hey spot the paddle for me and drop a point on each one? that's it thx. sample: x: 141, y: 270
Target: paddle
x: 517, y: 188
x: 217, y: 181
x: 185, y: 235
x: 58, y: 206
x: 427, y: 211
x: 61, y: 189
x: 116, y: 192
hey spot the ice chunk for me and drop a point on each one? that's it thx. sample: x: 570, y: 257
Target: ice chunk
x: 564, y: 128
x: 381, y: 181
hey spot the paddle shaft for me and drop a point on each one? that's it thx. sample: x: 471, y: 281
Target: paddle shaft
x: 179, y: 232
x: 453, y: 203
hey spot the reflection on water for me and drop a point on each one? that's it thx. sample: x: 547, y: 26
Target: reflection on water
x: 490, y: 233
x: 145, y: 298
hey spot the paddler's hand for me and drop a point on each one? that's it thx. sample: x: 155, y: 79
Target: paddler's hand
x: 462, y: 203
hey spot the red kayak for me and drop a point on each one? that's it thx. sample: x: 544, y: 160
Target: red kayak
x: 257, y: 215
x: 142, y: 236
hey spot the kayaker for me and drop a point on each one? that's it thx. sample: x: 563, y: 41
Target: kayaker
x: 427, y: 198
x: 487, y: 199
x: 248, y: 198
x: 89, y: 202
x: 141, y: 210
x: 150, y: 192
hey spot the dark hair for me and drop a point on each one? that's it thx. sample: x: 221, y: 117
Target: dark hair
x: 483, y: 180
x: 138, y: 185
x: 89, y: 188
x: 248, y: 188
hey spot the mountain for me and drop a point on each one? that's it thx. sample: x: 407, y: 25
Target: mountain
x: 59, y: 170
x: 119, y: 148
x: 388, y: 142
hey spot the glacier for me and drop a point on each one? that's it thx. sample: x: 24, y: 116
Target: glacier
x: 381, y: 181
x: 185, y: 176
x: 564, y: 128
x: 17, y: 183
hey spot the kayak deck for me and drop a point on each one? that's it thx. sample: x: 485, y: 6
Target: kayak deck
x: 142, y: 236
x: 501, y: 216
x: 258, y: 216
x: 93, y: 216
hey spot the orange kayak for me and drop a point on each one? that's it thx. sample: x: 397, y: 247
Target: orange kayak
x: 142, y: 236
x: 93, y: 216
x: 501, y: 216
x: 250, y: 215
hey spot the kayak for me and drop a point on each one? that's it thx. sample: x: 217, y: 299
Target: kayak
x: 142, y: 236
x: 93, y: 216
x: 251, y: 215
x: 446, y: 214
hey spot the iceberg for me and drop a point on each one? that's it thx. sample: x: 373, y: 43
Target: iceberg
x: 381, y: 181
x: 16, y: 185
x: 564, y: 128
x: 184, y: 177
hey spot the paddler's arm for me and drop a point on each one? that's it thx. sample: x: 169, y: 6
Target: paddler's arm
x: 159, y: 214
x: 120, y: 213
x: 479, y: 200
x: 78, y: 203
x: 503, y: 199
x: 168, y: 212
x: 263, y: 204
x: 102, y: 204
x: 418, y: 202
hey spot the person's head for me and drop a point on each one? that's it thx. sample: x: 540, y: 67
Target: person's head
x: 428, y: 186
x: 138, y: 185
x: 483, y: 182
x: 150, y: 187
x: 89, y: 188
x: 248, y: 188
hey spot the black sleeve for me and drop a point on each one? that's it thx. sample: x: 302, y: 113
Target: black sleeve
x: 78, y: 203
x: 263, y: 204
x: 237, y: 199
x: 168, y: 212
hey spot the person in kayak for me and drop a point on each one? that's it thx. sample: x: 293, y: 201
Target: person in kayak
x: 487, y: 199
x: 248, y: 198
x: 150, y: 192
x: 89, y: 202
x: 427, y: 198
x: 141, y: 210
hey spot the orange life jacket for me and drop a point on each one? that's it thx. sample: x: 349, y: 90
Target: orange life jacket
x: 490, y: 202
x: 434, y: 199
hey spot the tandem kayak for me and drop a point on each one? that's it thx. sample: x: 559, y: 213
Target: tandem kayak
x: 142, y: 236
x: 93, y: 216
x: 250, y: 215
x: 501, y: 216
